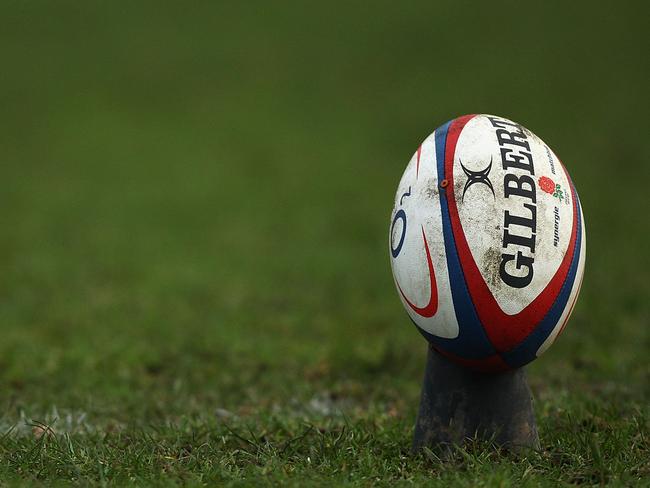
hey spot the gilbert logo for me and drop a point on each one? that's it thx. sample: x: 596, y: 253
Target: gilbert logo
x: 477, y: 177
x: 518, y: 254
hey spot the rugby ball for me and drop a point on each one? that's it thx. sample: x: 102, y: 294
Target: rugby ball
x: 487, y: 243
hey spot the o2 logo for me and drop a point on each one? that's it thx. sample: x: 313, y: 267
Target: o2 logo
x: 395, y: 229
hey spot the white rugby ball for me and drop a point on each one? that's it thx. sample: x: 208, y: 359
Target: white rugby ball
x: 487, y: 242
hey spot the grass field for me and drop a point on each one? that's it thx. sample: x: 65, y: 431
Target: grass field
x: 194, y: 277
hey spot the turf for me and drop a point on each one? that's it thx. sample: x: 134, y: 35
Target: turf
x: 194, y: 278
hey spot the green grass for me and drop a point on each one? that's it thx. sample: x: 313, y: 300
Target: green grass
x: 194, y: 280
x: 291, y: 448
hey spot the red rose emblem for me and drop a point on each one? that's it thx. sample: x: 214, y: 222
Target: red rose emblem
x: 546, y: 184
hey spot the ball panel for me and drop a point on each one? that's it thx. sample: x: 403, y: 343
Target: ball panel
x: 419, y: 268
x: 504, y: 331
x: 498, y: 202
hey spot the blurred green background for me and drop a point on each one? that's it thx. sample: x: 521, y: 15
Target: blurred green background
x: 195, y: 196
